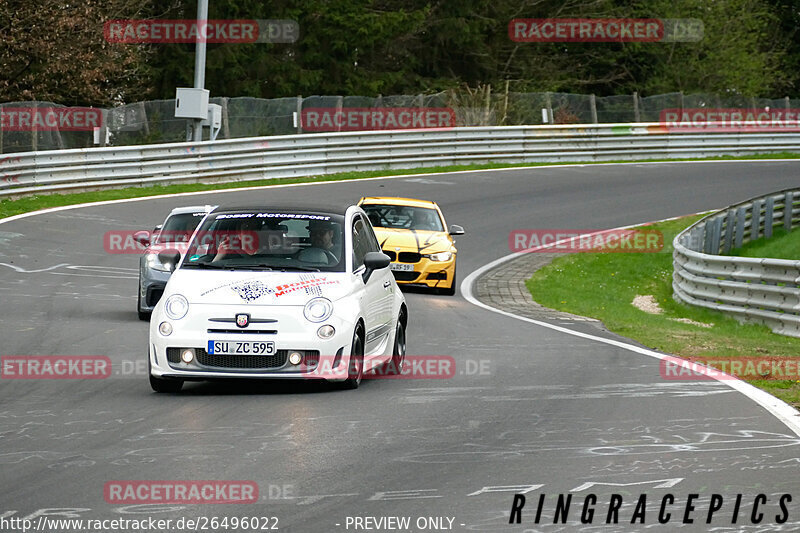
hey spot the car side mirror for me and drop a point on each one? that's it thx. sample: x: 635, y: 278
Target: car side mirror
x: 170, y: 257
x: 456, y: 230
x: 375, y: 261
x: 142, y: 237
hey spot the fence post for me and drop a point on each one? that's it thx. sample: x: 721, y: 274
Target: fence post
x: 593, y: 105
x: 505, y: 107
x: 144, y: 115
x: 226, y: 127
x: 299, y: 111
x: 636, y: 115
x: 550, y: 117
x: 769, y: 213
x: 788, y: 207
x: 755, y: 221
x: 726, y: 247
x: 339, y: 103
x: 34, y: 137
x: 786, y: 103
x: 488, y: 104
x: 741, y: 214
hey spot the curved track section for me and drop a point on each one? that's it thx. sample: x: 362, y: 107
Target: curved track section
x: 528, y: 406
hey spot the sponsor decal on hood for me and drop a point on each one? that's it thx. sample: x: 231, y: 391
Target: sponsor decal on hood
x: 303, y: 285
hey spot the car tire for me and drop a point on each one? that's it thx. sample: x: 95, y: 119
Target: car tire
x: 399, y: 350
x: 143, y: 315
x: 355, y: 367
x: 161, y: 384
x: 451, y: 290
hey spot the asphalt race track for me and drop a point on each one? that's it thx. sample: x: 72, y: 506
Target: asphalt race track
x: 552, y: 411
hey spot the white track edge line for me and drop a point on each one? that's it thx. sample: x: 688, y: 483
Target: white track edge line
x: 776, y: 407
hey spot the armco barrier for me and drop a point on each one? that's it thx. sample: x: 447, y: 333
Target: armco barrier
x: 765, y: 291
x: 315, y: 154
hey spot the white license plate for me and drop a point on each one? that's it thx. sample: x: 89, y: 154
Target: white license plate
x: 402, y: 267
x: 240, y: 348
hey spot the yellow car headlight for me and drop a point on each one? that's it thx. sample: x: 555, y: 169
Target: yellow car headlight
x: 441, y: 256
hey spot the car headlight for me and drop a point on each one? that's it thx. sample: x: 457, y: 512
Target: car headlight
x: 176, y: 307
x: 153, y: 262
x: 441, y: 256
x: 318, y: 310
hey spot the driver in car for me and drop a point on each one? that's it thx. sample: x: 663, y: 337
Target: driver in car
x: 321, y: 236
x: 241, y: 242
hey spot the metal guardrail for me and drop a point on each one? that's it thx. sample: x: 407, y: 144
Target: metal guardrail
x: 765, y: 291
x: 316, y: 154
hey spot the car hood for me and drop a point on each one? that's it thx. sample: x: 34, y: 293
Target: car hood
x: 258, y: 288
x: 427, y: 242
x: 160, y: 247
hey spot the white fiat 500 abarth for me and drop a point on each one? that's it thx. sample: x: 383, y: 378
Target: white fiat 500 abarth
x: 278, y: 293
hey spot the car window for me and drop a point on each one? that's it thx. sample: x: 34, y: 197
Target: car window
x: 403, y: 217
x: 269, y: 241
x: 363, y: 241
x: 179, y: 228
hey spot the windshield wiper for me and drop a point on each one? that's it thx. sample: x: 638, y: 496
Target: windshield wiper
x: 203, y: 265
x: 304, y: 269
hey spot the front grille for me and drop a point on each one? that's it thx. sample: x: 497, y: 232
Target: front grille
x: 409, y: 257
x: 392, y: 255
x: 254, y: 362
x: 405, y: 276
x: 154, y: 293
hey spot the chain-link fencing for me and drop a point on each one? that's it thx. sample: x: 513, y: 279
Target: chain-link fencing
x: 154, y: 121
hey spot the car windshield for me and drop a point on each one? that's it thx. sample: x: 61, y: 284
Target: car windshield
x: 403, y: 217
x: 179, y: 228
x: 268, y: 241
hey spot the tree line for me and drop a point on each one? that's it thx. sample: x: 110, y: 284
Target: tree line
x: 56, y: 51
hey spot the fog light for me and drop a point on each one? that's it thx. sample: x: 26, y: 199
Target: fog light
x: 187, y: 355
x: 295, y: 358
x: 326, y: 331
x: 165, y: 328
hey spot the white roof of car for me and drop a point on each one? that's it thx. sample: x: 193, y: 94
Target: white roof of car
x: 192, y: 209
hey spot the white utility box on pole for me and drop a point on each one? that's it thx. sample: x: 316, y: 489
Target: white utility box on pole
x: 213, y: 120
x: 191, y: 103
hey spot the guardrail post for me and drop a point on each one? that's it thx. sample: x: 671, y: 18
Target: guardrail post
x: 636, y: 114
x: 593, y: 107
x: 726, y: 247
x: 755, y: 221
x: 713, y: 230
x: 769, y: 213
x: 741, y: 216
x: 788, y: 207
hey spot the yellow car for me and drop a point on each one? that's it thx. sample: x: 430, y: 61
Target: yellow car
x: 412, y: 233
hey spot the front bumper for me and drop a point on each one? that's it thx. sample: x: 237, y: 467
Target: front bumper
x: 322, y: 358
x: 151, y: 286
x: 439, y: 274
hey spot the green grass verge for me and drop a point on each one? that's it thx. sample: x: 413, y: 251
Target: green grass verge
x: 783, y: 245
x: 27, y: 204
x: 602, y: 286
